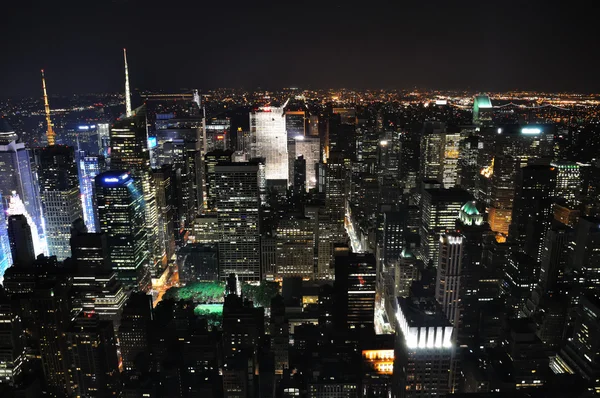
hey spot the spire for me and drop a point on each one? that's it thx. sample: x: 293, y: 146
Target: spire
x: 50, y: 135
x: 128, y: 112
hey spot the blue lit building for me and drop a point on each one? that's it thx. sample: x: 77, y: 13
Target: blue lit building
x: 5, y: 255
x: 88, y: 168
x: 120, y: 214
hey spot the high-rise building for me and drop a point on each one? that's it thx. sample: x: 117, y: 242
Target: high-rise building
x: 120, y: 206
x: 568, y: 181
x: 238, y: 210
x: 482, y: 110
x: 95, y: 283
x: 267, y: 127
x: 21, y: 241
x: 59, y: 194
x: 17, y: 177
x: 440, y: 209
x: 5, y: 250
x: 295, y: 249
x: 423, y: 354
x: 89, y: 167
x: 432, y: 152
x: 449, y: 276
x: 581, y: 354
x: 355, y: 284
x: 163, y: 179
x: 308, y: 148
x: 92, y: 357
x: 130, y: 152
x: 585, y: 260
x: 134, y: 331
x: 12, y: 343
x: 554, y: 258
x: 532, y: 208
x: 211, y: 159
x: 299, y: 177
x: 502, y: 193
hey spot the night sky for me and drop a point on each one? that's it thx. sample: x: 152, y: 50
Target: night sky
x: 173, y: 44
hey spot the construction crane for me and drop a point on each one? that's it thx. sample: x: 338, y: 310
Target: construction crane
x: 50, y: 134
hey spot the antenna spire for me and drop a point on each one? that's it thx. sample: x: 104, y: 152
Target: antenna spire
x: 50, y: 135
x: 128, y: 112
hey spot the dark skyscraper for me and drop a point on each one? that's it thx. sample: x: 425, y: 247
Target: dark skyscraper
x: 21, y: 243
x: 355, y: 282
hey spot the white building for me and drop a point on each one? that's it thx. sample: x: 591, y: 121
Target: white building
x: 269, y: 140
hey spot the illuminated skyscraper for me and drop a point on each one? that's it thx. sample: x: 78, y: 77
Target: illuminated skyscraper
x: 89, y: 167
x: 449, y: 275
x: 5, y: 252
x: 440, y: 209
x: 59, y: 194
x: 267, y: 127
x: 295, y: 247
x: 120, y: 205
x: 16, y: 176
x: 432, y: 152
x: 129, y: 152
x: 482, y: 110
x: 568, y: 181
x: 355, y: 284
x: 502, y: 193
x: 423, y: 354
x: 238, y: 217
x: 308, y: 147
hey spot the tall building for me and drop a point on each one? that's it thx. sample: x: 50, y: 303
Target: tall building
x: 423, y: 354
x: 89, y: 167
x: 5, y: 250
x: 482, y: 110
x: 295, y: 249
x: 568, y: 181
x: 238, y: 217
x: 21, y: 241
x: 585, y: 260
x: 502, y: 193
x: 163, y: 182
x: 581, y: 354
x: 532, y: 207
x: 134, y: 331
x: 17, y: 177
x: 554, y: 259
x: 432, y: 152
x: 449, y: 276
x: 12, y: 343
x: 95, y: 283
x: 308, y: 148
x: 267, y: 128
x: 92, y: 357
x: 355, y: 285
x: 130, y: 152
x: 59, y: 194
x: 120, y: 206
x: 440, y: 209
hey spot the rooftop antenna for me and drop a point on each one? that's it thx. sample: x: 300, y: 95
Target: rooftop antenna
x: 50, y: 134
x: 128, y: 112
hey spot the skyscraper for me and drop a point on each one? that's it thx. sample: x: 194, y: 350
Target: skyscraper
x: 120, y: 206
x: 355, y: 283
x: 267, y: 127
x: 5, y: 252
x: 89, y: 167
x: 238, y: 210
x: 439, y: 210
x: 295, y: 247
x: 532, y: 207
x: 134, y: 330
x: 568, y: 181
x: 59, y: 193
x: 423, y: 354
x: 308, y: 148
x: 449, y: 276
x: 92, y: 357
x: 16, y: 177
x: 21, y: 241
x: 502, y: 193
